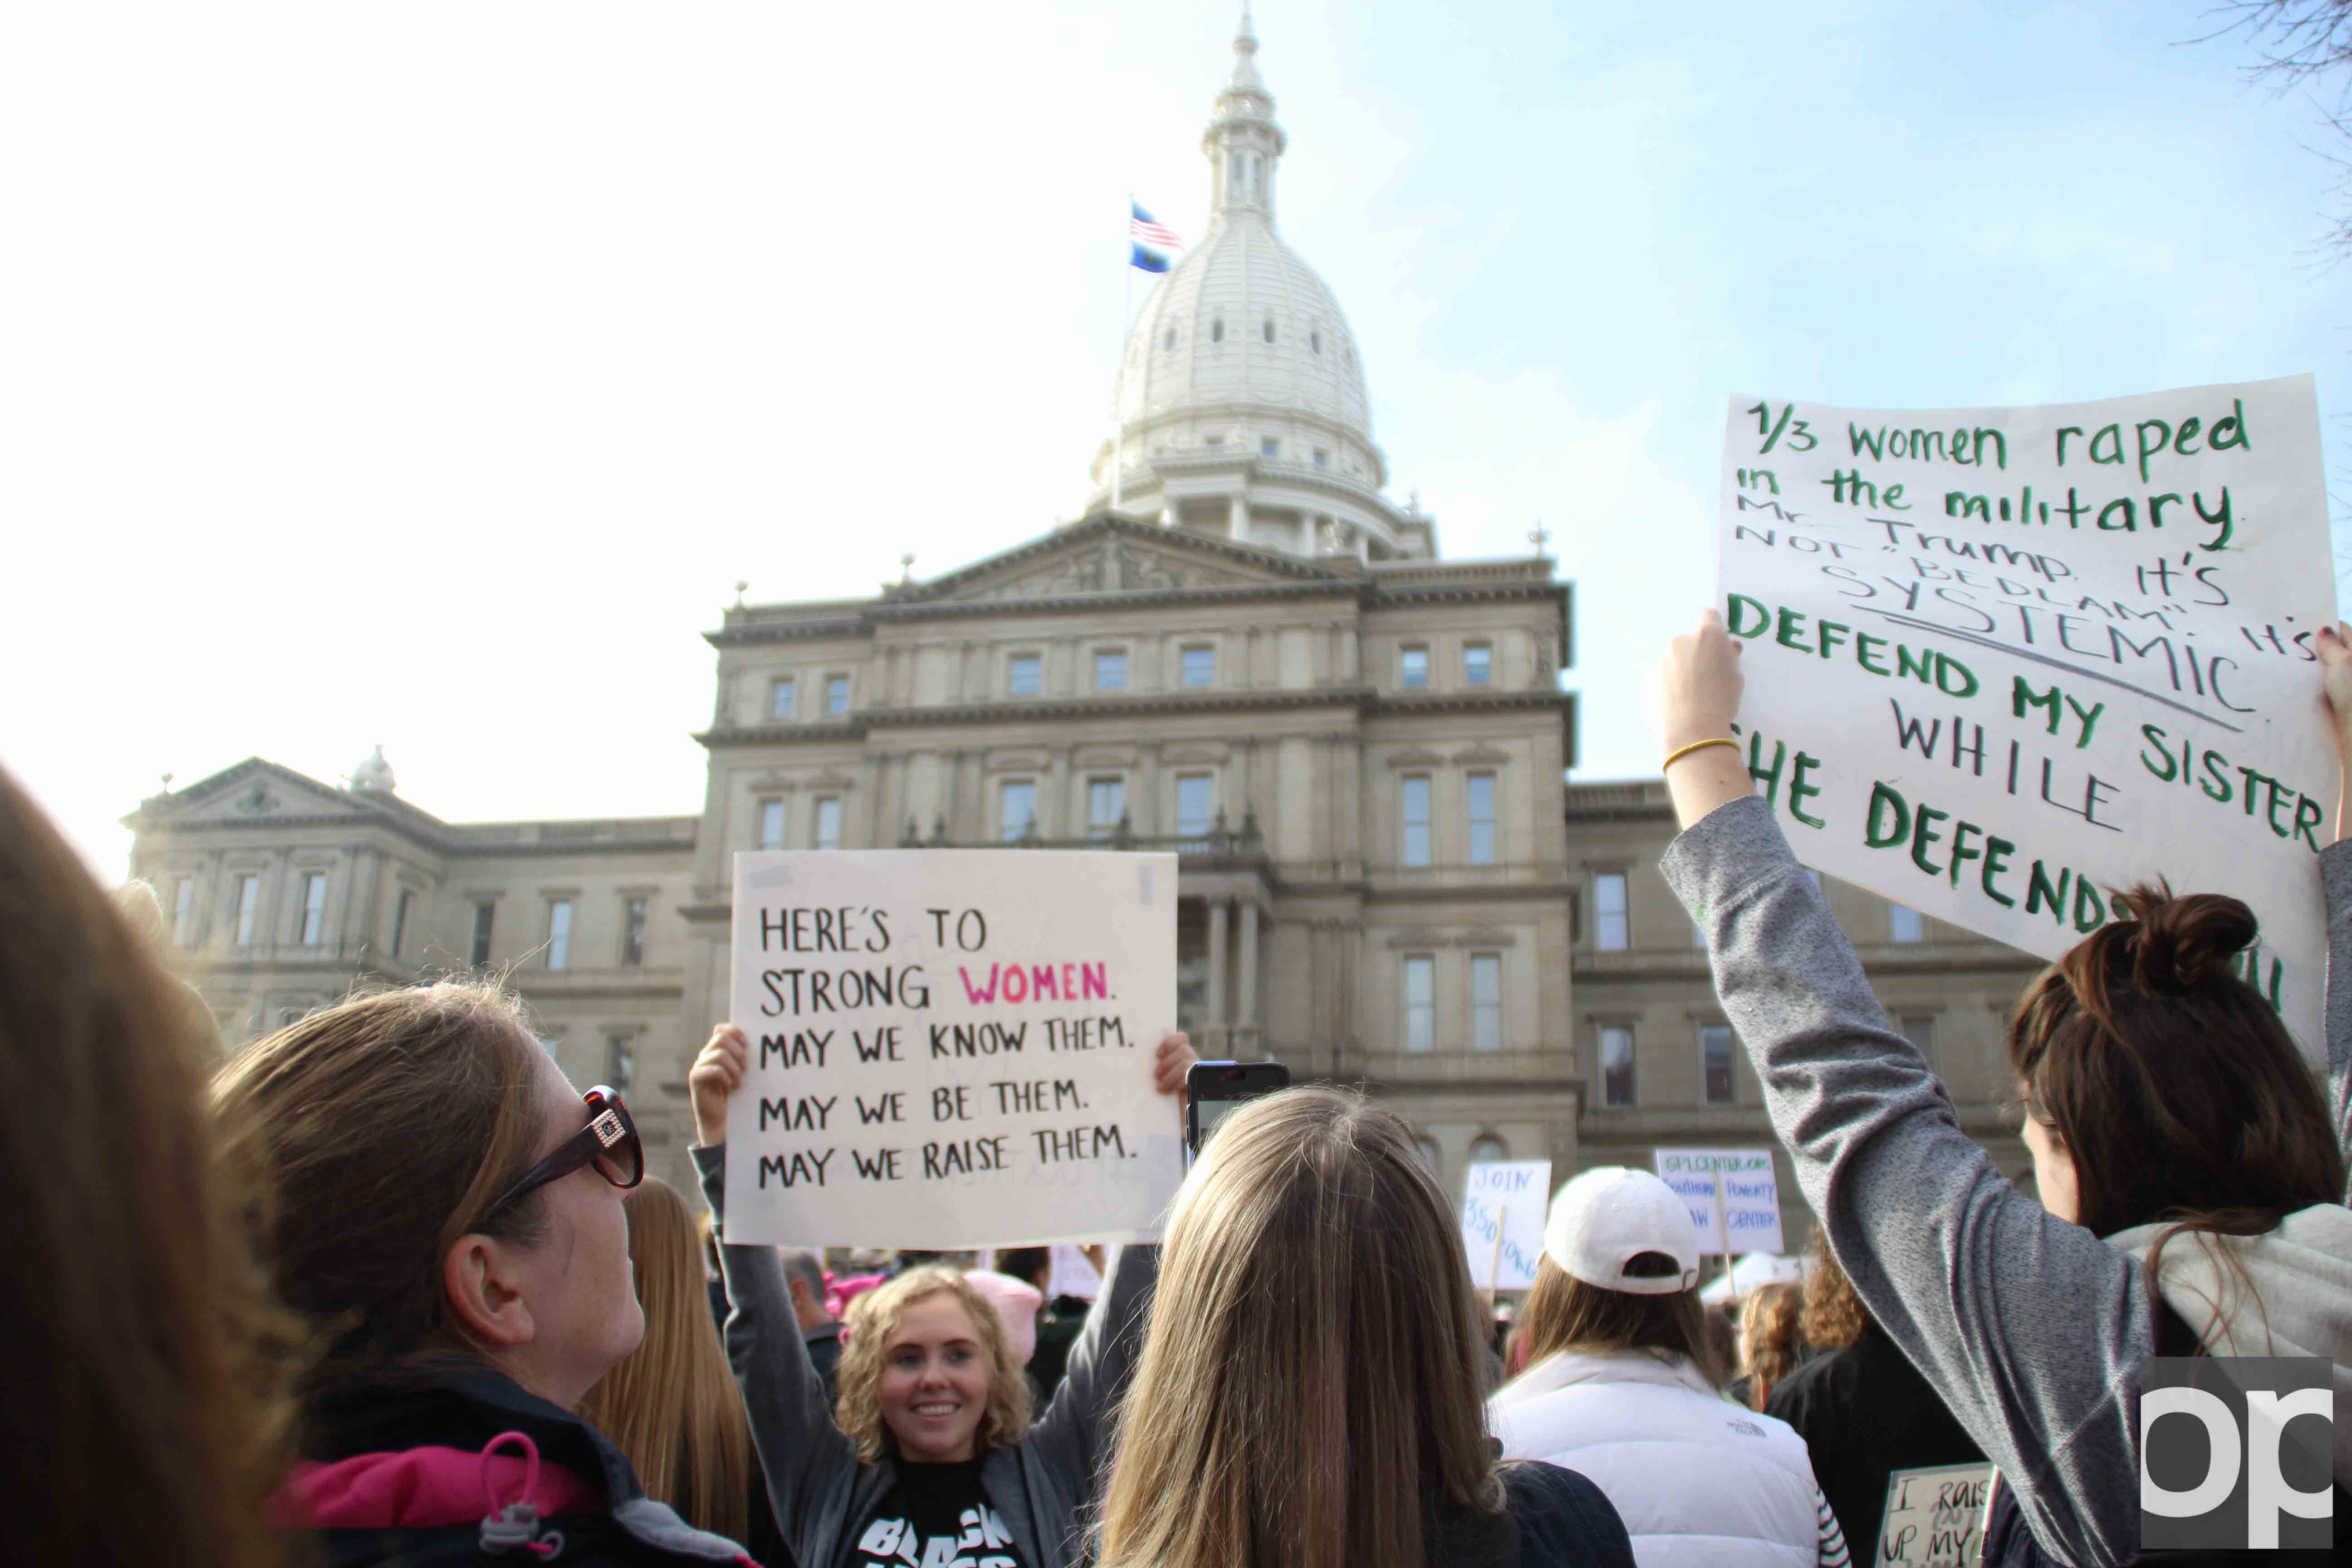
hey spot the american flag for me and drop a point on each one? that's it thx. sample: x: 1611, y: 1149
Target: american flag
x: 1143, y: 225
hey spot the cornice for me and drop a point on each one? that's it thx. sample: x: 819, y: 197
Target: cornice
x: 1394, y: 705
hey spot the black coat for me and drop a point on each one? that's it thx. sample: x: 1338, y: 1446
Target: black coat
x: 1865, y: 1412
x: 390, y: 1476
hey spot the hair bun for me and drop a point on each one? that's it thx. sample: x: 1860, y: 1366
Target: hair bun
x: 2182, y: 944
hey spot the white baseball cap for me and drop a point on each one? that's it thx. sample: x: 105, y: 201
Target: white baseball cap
x: 1611, y: 1215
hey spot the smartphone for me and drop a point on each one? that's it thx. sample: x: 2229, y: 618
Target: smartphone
x: 1213, y: 1089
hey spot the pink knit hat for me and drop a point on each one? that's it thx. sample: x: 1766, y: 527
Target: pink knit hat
x: 1016, y: 1301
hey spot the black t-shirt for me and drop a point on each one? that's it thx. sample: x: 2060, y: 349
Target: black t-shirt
x: 937, y: 1516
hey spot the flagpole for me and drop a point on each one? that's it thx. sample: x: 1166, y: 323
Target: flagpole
x: 1125, y: 304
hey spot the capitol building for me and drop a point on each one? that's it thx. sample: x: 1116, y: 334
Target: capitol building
x: 1245, y: 652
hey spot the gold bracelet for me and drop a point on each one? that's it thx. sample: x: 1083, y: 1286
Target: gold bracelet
x: 1676, y: 756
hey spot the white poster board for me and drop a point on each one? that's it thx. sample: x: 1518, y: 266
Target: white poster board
x: 2002, y: 662
x: 1502, y: 1210
x: 1934, y: 1517
x: 952, y: 1048
x: 1733, y: 1197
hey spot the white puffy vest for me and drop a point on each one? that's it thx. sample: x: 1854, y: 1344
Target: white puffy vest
x: 1697, y: 1480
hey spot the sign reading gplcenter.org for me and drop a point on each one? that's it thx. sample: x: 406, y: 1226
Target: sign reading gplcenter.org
x: 2235, y: 1453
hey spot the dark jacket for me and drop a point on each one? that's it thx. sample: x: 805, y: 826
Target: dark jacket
x: 1554, y: 1518
x: 1865, y: 1412
x: 825, y: 1497
x: 392, y: 1473
x: 825, y: 1354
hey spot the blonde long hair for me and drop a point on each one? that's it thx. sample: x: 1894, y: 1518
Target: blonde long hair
x: 865, y: 1337
x: 671, y: 1405
x: 1314, y: 1367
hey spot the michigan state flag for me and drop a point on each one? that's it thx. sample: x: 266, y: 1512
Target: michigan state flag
x: 1150, y: 243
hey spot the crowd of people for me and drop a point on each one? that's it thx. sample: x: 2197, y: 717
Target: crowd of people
x: 384, y: 1288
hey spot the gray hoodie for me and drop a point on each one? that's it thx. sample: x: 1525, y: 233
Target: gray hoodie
x: 2033, y: 1330
x: 1043, y: 1485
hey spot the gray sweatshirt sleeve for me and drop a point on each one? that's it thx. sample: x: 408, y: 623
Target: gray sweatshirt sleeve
x: 810, y: 1464
x: 1073, y: 1435
x: 2336, y: 877
x: 2032, y: 1330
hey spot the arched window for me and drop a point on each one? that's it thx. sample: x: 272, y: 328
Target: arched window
x: 1169, y: 340
x: 1269, y: 329
x: 1489, y: 1150
x: 1217, y: 329
x: 1315, y: 340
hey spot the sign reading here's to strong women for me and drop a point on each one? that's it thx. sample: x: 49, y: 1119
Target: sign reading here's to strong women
x: 2002, y: 663
x: 952, y: 1048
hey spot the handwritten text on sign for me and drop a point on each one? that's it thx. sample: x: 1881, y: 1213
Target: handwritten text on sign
x: 1934, y: 1518
x: 952, y: 1048
x: 1502, y: 1210
x: 1733, y: 1196
x: 2001, y: 662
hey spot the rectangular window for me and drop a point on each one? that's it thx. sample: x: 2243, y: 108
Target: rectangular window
x: 1919, y: 1028
x: 1017, y: 808
x: 1609, y: 930
x: 1715, y: 1061
x: 1478, y: 664
x: 620, y: 1062
x: 633, y: 935
x: 483, y: 914
x: 1482, y: 819
x: 771, y: 825
x: 828, y: 822
x: 836, y: 694
x: 249, y: 908
x: 1486, y: 1002
x: 1903, y: 923
x: 1322, y: 459
x: 1414, y: 801
x: 1110, y: 669
x: 559, y: 934
x: 313, y: 918
x: 783, y: 695
x: 1105, y: 803
x: 1412, y: 666
x: 1421, y: 1003
x: 400, y: 920
x: 1024, y: 674
x: 1267, y: 446
x: 1200, y: 667
x: 1196, y: 804
x: 183, y: 907
x: 1616, y: 1067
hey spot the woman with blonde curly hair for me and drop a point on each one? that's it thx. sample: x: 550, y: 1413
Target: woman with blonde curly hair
x: 1771, y: 1344
x: 929, y: 1454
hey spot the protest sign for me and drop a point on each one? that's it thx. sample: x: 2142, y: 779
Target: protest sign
x: 1934, y: 1518
x: 2002, y: 663
x: 951, y: 1047
x: 1734, y: 1198
x: 1503, y: 1209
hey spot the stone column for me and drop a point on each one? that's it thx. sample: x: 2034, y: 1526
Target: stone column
x: 1237, y: 516
x: 1216, y: 1030
x: 1144, y: 812
x: 875, y: 829
x: 1246, y: 1007
x: 1054, y: 816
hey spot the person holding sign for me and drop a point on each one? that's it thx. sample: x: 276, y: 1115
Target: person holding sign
x: 2162, y: 1096
x: 1309, y: 1391
x: 934, y: 1457
x: 1621, y: 1384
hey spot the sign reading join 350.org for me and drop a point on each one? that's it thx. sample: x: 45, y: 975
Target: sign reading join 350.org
x: 952, y: 1048
x: 2003, y: 662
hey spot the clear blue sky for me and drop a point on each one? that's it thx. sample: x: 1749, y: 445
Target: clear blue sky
x: 429, y: 375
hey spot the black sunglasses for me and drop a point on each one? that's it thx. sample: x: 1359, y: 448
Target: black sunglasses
x: 610, y: 1141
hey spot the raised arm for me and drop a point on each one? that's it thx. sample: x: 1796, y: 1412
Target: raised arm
x: 810, y: 1464
x: 2030, y: 1328
x: 2336, y: 877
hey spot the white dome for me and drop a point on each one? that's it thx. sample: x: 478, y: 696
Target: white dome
x: 1241, y: 405
x: 1243, y: 320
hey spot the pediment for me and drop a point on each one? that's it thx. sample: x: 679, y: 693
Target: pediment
x: 1111, y: 554
x: 255, y: 790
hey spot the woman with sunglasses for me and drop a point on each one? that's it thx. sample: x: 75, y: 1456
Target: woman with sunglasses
x: 445, y: 1210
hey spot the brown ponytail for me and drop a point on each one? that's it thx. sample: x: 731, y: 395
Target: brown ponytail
x: 376, y: 1132
x: 2169, y: 1080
